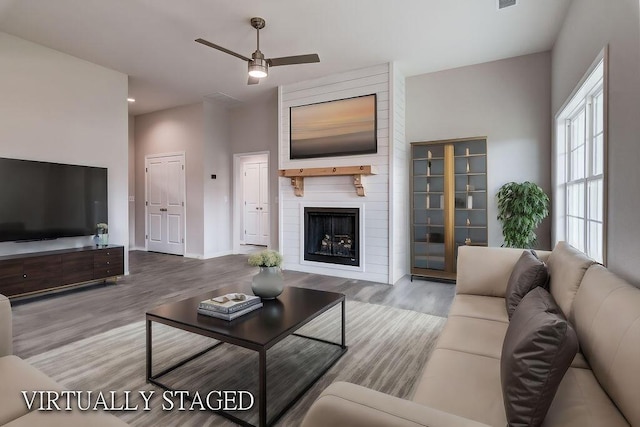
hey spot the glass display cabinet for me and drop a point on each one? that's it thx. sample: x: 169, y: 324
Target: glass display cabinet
x: 449, y: 203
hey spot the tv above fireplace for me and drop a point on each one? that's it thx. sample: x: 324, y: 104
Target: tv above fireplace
x: 335, y: 128
x: 41, y: 200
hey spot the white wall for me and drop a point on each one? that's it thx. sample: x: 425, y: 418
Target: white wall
x: 507, y: 101
x: 588, y: 27
x: 58, y: 108
x: 217, y: 192
x: 179, y: 129
x: 254, y: 128
x: 323, y: 191
x: 400, y: 213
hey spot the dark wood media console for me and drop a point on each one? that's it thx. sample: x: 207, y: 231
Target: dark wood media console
x: 30, y: 273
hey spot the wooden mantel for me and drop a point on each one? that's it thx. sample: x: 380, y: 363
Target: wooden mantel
x: 297, y: 176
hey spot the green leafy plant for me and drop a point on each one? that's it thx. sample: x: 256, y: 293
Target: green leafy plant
x: 266, y: 258
x: 521, y: 208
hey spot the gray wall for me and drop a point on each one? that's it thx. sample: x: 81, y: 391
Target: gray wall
x: 58, y: 108
x: 132, y: 182
x: 254, y: 127
x: 209, y: 134
x: 589, y: 26
x: 217, y: 192
x: 179, y: 129
x: 509, y: 102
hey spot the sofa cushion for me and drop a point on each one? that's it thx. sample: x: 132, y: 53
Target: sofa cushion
x: 67, y: 419
x: 478, y: 336
x: 486, y: 270
x: 6, y: 330
x: 463, y: 384
x: 567, y: 267
x: 345, y: 404
x: 17, y: 375
x: 528, y: 273
x: 606, y: 315
x: 581, y: 402
x: 480, y: 307
x: 537, y: 351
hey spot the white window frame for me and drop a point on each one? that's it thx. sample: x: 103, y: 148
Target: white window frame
x: 592, y: 84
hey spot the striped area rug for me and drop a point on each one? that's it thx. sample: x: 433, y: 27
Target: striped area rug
x: 388, y: 348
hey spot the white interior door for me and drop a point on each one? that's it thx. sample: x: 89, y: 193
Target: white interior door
x: 255, y: 203
x: 264, y: 204
x: 165, y: 204
x: 251, y: 195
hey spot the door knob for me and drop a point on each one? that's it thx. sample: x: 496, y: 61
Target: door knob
x: 163, y: 209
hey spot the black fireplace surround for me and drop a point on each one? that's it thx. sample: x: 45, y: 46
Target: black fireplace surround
x: 331, y: 235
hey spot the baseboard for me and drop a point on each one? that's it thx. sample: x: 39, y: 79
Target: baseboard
x: 197, y: 256
x: 218, y: 254
x: 137, y: 248
x: 194, y: 256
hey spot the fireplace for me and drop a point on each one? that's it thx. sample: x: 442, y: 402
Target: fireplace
x: 331, y: 235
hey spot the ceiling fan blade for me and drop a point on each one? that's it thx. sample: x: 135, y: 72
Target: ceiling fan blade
x: 253, y: 81
x: 291, y: 60
x: 222, y: 49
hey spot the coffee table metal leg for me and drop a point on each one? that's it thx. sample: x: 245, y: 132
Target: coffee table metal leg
x: 148, y: 350
x: 262, y: 392
x: 343, y: 323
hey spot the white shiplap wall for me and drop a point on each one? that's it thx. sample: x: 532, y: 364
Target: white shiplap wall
x: 340, y: 190
x: 399, y: 176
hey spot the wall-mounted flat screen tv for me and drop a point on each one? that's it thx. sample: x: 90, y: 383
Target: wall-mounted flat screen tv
x: 40, y: 200
x: 336, y: 128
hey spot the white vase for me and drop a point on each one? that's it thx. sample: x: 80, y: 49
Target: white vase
x: 103, y: 239
x: 268, y: 283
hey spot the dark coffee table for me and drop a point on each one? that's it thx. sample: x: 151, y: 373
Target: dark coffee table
x: 256, y: 331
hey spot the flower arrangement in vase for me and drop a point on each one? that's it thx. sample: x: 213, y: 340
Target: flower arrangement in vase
x: 268, y: 283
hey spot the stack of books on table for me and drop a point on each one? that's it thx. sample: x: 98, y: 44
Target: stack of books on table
x: 229, y: 306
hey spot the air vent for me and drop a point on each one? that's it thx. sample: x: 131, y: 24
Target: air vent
x: 506, y: 3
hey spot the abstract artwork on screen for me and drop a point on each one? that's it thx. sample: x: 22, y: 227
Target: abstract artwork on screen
x: 335, y: 128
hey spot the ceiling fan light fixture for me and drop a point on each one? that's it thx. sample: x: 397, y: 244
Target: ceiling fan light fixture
x: 258, y: 68
x: 258, y: 65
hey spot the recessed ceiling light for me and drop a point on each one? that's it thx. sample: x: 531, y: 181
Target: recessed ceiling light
x: 131, y: 100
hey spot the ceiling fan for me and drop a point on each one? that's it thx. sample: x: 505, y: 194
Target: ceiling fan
x: 258, y: 65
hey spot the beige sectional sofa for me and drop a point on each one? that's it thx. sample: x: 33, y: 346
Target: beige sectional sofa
x: 460, y: 384
x: 16, y: 375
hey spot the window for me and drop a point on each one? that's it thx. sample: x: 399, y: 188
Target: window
x: 580, y: 168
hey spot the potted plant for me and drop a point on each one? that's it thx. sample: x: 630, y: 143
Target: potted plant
x: 521, y: 208
x: 268, y: 283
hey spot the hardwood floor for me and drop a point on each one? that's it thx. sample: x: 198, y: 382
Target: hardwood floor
x: 49, y: 322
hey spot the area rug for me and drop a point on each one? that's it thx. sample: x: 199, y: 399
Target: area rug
x: 388, y: 348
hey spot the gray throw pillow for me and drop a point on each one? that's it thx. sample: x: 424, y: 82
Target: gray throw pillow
x: 537, y: 351
x: 528, y: 273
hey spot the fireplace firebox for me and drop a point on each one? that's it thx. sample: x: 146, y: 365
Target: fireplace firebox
x: 331, y: 235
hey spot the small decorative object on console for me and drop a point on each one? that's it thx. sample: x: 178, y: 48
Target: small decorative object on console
x: 268, y: 283
x: 102, y: 234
